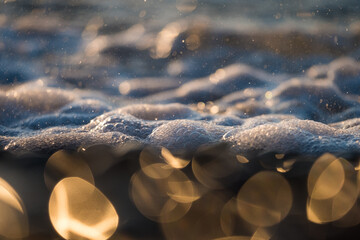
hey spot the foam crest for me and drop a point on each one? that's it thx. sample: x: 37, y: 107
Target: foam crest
x: 23, y: 100
x: 185, y: 134
x: 223, y: 82
x: 59, y: 138
x: 293, y: 136
x: 309, y: 114
x: 160, y: 112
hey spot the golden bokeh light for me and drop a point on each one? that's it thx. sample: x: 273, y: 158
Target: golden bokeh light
x: 78, y: 210
x: 242, y: 159
x: 261, y: 234
x: 124, y: 88
x: 163, y: 199
x: 268, y: 95
x: 201, y: 222
x: 193, y: 42
x: 181, y: 189
x: 63, y: 164
x: 96, y: 46
x: 166, y: 38
x: 13, y: 219
x: 218, y: 76
x: 357, y: 169
x: 186, y: 6
x: 158, y: 170
x: 204, y: 177
x: 91, y: 29
x: 351, y: 218
x: 326, y: 177
x: 286, y: 165
x: 172, y: 211
x: 214, y: 109
x: 100, y: 157
x: 329, y: 210
x: 146, y: 194
x: 231, y: 223
x: 265, y: 199
x: 234, y: 238
x: 215, y: 170
x: 332, y: 188
x: 229, y: 217
x: 173, y: 161
x: 243, y: 238
x: 153, y: 166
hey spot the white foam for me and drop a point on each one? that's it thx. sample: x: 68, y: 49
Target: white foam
x: 255, y: 112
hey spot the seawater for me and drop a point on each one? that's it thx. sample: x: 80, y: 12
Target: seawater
x: 180, y: 74
x: 207, y: 117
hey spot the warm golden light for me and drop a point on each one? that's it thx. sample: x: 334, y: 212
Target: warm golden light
x: 326, y: 177
x: 332, y: 188
x: 162, y: 199
x: 265, y: 199
x: 230, y: 221
x: 166, y: 38
x: 268, y: 96
x: 201, y: 221
x: 228, y: 217
x: 158, y: 170
x: 218, y: 76
x: 215, y: 170
x: 96, y: 46
x: 153, y: 166
x: 234, y: 238
x: 192, y: 42
x: 242, y: 159
x: 204, y: 177
x: 286, y: 166
x: 186, y: 6
x: 261, y: 234
x: 181, y: 189
x: 244, y: 238
x: 351, y: 219
x: 78, y: 210
x: 174, y: 162
x: 62, y: 164
x: 91, y: 29
x: 124, y: 88
x: 13, y: 218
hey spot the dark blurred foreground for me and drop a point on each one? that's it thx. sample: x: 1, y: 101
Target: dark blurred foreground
x: 157, y: 195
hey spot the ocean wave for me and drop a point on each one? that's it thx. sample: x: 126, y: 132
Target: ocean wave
x: 248, y: 109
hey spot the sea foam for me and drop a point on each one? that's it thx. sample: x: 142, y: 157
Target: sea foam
x: 254, y: 113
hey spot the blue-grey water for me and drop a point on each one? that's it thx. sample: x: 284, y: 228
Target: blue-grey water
x: 180, y: 74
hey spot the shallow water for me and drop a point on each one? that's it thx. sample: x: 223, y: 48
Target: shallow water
x: 71, y: 72
x: 246, y: 79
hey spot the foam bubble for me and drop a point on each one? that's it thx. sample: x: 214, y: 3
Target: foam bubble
x: 306, y: 114
x: 185, y: 134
